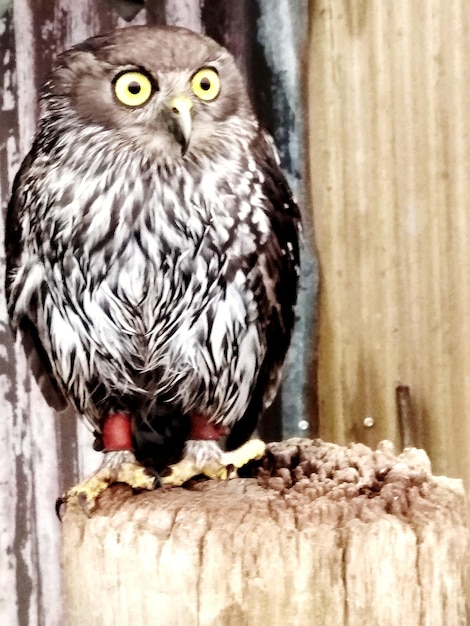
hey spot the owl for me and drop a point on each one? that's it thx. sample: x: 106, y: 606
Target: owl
x: 152, y: 255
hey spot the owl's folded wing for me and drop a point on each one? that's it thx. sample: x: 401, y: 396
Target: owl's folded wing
x: 278, y: 263
x: 37, y: 358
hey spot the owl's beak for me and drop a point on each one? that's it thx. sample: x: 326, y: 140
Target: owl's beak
x: 180, y: 110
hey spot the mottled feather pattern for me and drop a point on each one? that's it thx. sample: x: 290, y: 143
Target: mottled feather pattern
x: 156, y: 284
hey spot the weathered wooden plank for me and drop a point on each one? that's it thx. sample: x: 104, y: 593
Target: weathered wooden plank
x: 389, y: 158
x: 186, y: 13
x: 16, y: 543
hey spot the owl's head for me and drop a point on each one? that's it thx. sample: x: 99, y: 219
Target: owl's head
x: 166, y: 90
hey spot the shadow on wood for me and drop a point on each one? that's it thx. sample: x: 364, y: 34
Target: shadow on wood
x: 321, y: 534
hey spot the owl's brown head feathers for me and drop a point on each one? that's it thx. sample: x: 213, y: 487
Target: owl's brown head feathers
x: 168, y: 90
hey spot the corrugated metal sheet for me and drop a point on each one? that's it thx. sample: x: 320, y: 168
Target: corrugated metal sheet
x: 41, y: 453
x: 389, y: 153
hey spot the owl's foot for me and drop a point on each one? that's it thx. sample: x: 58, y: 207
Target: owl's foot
x: 119, y: 466
x: 205, y: 457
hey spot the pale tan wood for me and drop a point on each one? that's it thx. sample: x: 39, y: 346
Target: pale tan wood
x: 349, y: 536
x: 389, y: 163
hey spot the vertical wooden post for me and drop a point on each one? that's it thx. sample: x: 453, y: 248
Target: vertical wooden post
x: 324, y: 535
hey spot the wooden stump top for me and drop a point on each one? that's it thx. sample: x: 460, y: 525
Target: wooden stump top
x: 316, y: 534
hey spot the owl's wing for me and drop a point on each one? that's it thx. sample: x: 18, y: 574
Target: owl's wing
x: 278, y: 263
x: 36, y: 355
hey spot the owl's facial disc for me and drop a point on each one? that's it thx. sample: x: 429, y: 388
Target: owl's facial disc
x: 180, y: 110
x: 168, y: 92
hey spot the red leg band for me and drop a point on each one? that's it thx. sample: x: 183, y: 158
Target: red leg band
x: 202, y: 429
x: 117, y: 432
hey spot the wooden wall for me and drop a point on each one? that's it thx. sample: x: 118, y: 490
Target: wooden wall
x: 389, y: 105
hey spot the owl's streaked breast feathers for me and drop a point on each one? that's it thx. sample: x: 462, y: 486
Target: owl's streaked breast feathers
x: 152, y: 240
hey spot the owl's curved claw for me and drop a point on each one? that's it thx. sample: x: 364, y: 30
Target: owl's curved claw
x: 222, y: 467
x: 118, y: 467
x: 58, y: 507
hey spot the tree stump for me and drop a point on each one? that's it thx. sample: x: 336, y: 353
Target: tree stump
x: 318, y: 535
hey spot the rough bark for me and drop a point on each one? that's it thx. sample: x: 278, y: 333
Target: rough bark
x: 320, y: 534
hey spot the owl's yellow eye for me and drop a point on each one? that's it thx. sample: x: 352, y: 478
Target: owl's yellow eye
x: 133, y: 88
x: 206, y: 84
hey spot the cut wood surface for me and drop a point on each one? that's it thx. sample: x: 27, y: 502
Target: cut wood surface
x: 319, y: 535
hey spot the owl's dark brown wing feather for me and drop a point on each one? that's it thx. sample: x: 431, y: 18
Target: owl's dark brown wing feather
x: 13, y: 235
x: 36, y: 355
x: 279, y: 258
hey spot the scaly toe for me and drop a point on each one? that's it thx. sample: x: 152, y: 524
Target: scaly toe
x: 117, y: 469
x: 177, y: 474
x: 220, y: 469
x: 137, y: 476
x: 252, y: 450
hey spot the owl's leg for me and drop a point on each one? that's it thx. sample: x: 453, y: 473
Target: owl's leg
x: 202, y: 454
x: 119, y: 466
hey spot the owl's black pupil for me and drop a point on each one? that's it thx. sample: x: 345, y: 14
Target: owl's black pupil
x: 205, y: 84
x: 134, y: 88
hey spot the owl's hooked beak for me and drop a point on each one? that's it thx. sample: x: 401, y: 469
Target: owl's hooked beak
x: 180, y: 110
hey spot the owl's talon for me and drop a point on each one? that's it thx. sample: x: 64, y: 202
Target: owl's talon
x: 59, y: 503
x: 252, y: 450
x: 118, y: 467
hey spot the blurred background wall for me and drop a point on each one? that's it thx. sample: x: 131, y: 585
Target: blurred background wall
x: 389, y: 131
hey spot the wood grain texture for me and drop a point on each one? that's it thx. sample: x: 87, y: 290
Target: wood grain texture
x: 284, y: 549
x: 389, y: 157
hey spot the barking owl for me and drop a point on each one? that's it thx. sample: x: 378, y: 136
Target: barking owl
x: 152, y: 254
